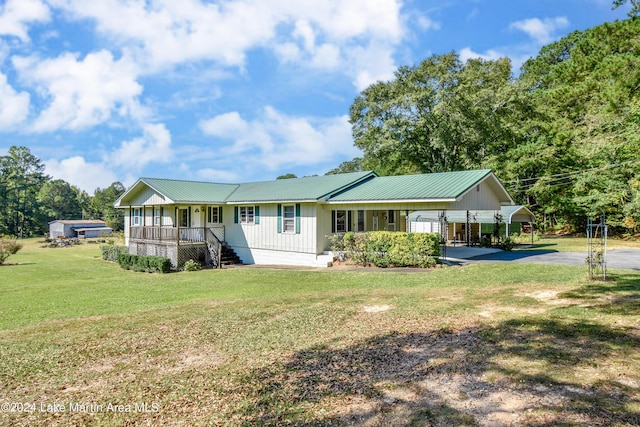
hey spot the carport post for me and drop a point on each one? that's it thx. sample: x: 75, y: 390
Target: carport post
x: 531, y: 225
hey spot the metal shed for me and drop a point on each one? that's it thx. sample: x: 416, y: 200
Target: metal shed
x: 78, y: 228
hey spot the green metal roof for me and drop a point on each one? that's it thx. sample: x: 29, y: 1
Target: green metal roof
x: 341, y: 188
x: 296, y: 189
x: 433, y: 186
x: 191, y: 191
x: 181, y: 191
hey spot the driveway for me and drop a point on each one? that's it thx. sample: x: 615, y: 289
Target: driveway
x: 616, y: 258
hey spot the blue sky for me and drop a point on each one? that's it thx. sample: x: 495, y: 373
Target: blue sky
x: 235, y: 90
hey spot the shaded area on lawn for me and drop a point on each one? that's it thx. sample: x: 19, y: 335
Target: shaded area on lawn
x: 506, y: 374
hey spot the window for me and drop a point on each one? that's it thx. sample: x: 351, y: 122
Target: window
x: 214, y: 214
x: 289, y: 219
x: 136, y: 216
x: 246, y: 214
x: 341, y: 221
x: 156, y: 216
x: 360, y: 220
x: 391, y: 215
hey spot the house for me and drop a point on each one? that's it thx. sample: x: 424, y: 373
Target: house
x: 288, y: 221
x: 81, y: 228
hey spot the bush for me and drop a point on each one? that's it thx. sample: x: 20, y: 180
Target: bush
x: 8, y: 247
x: 191, y: 265
x: 385, y: 248
x: 150, y: 264
x: 110, y: 252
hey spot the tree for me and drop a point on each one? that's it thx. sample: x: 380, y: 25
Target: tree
x: 101, y: 206
x: 355, y: 165
x: 635, y: 6
x: 584, y: 139
x: 287, y: 176
x: 441, y: 115
x: 21, y: 176
x: 59, y: 200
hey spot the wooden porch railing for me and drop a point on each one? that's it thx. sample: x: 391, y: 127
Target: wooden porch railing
x: 173, y: 234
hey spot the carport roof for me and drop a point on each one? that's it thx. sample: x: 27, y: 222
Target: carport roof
x: 483, y: 217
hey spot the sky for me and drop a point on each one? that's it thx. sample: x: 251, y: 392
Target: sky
x: 234, y: 90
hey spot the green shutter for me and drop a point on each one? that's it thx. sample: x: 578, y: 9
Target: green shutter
x: 256, y: 215
x: 279, y: 218
x: 220, y: 214
x: 235, y: 215
x: 297, y: 218
x: 349, y: 221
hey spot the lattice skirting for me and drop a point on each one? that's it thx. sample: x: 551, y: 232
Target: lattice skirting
x: 177, y: 254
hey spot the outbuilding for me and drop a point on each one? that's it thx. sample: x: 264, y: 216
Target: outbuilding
x: 79, y: 228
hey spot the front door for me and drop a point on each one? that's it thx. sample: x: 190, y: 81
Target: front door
x: 183, y: 217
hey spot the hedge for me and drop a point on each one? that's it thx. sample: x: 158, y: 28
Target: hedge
x: 111, y: 252
x: 386, y: 248
x: 151, y: 264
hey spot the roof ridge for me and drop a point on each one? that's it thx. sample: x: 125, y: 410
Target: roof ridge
x: 190, y: 180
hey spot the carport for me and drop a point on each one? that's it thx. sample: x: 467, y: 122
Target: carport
x: 458, y: 226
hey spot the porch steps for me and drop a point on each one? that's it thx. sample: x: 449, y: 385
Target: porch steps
x: 229, y: 256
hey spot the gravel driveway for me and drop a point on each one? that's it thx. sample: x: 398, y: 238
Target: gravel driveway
x: 616, y: 258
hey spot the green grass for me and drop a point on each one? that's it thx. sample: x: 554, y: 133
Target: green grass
x: 573, y: 244
x: 536, y: 344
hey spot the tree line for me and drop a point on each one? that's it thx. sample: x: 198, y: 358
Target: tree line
x: 564, y: 135
x: 29, y: 198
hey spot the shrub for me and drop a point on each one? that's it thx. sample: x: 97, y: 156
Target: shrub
x: 150, y: 264
x: 110, y: 252
x: 191, y: 265
x: 385, y: 248
x: 8, y: 247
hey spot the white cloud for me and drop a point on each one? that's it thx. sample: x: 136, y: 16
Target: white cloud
x: 217, y: 175
x: 275, y: 139
x: 77, y: 171
x: 14, y: 106
x: 16, y: 14
x: 490, y: 55
x: 82, y: 93
x: 541, y: 30
x: 320, y: 35
x: 224, y: 125
x: 153, y: 146
x: 371, y: 64
x: 426, y: 23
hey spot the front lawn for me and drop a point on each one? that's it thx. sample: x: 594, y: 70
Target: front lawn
x: 83, y: 342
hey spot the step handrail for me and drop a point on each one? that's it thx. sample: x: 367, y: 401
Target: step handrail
x: 215, y: 248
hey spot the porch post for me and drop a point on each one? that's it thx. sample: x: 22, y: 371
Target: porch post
x: 467, y: 234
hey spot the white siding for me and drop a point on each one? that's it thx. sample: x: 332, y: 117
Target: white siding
x: 480, y: 197
x: 274, y: 257
x: 148, y: 197
x: 265, y: 235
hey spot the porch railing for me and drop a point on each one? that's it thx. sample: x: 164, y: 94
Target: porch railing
x: 171, y: 234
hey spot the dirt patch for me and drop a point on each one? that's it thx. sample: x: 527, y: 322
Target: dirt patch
x: 194, y: 358
x: 376, y: 308
x: 490, y: 311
